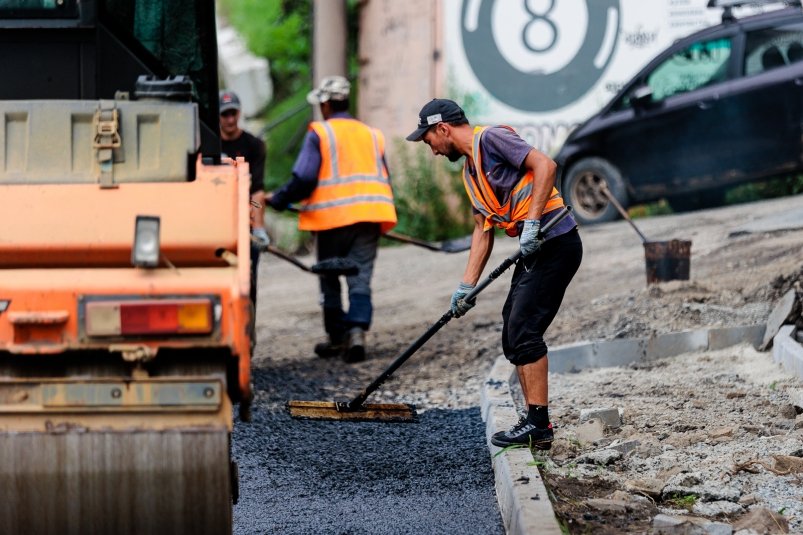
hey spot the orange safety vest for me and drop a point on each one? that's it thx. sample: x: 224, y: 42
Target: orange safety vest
x: 484, y: 200
x: 353, y: 185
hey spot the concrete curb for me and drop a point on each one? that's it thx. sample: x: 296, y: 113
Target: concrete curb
x: 787, y: 352
x: 599, y: 354
x: 523, y: 499
x: 520, y: 491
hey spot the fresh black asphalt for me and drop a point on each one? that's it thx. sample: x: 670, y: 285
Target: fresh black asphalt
x: 304, y: 477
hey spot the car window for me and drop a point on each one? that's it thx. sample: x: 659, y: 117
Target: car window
x: 698, y: 65
x: 771, y: 48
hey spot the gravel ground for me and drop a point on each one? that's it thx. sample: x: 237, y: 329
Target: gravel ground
x: 704, y: 426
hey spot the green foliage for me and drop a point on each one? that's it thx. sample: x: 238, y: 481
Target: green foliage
x: 427, y: 208
x: 768, y: 189
x: 683, y: 502
x: 286, y: 125
x: 280, y: 30
x: 648, y: 210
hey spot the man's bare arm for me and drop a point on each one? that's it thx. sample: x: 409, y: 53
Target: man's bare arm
x: 544, y: 171
x: 482, y: 243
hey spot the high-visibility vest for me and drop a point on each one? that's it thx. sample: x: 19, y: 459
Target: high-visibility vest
x: 353, y: 185
x: 484, y: 200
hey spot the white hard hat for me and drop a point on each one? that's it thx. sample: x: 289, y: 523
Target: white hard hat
x: 331, y: 88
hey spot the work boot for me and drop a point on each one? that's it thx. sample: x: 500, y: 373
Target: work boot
x: 355, y: 350
x: 333, y: 347
x: 525, y: 434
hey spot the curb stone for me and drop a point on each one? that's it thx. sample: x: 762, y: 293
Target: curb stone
x: 523, y: 499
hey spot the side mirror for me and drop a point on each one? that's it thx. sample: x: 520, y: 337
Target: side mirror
x: 641, y: 96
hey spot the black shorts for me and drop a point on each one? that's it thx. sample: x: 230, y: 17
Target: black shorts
x: 535, y: 297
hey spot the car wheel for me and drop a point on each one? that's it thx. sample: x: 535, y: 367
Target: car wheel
x: 582, y: 189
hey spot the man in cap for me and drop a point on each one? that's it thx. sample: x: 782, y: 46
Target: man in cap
x: 236, y: 142
x: 511, y: 186
x: 342, y: 181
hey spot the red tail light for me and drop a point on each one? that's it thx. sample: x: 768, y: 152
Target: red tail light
x: 155, y: 317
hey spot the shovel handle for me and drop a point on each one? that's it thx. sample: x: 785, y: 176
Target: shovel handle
x: 621, y: 210
x: 358, y: 401
x: 512, y: 259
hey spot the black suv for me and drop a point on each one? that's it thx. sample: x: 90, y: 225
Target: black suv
x: 717, y: 108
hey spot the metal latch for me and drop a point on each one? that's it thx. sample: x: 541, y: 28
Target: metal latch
x: 107, y: 135
x: 107, y: 138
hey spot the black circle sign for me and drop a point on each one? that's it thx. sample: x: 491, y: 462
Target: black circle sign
x: 539, y: 91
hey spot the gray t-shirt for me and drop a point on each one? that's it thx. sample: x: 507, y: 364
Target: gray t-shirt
x: 502, y: 154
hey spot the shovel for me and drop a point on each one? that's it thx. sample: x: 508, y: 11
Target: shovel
x: 664, y: 260
x: 357, y: 409
x: 456, y: 245
x: 330, y: 266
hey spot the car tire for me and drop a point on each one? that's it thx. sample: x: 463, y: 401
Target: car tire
x: 582, y: 189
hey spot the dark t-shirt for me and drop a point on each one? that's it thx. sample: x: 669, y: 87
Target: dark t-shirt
x: 252, y: 149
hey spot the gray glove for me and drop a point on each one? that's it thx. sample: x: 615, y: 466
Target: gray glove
x: 260, y: 237
x: 528, y: 239
x: 459, y: 305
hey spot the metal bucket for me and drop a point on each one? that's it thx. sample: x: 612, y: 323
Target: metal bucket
x: 667, y: 260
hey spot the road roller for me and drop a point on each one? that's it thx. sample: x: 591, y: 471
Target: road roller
x: 126, y: 327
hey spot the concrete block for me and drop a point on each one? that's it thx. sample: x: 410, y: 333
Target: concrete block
x: 570, y: 357
x: 590, y: 431
x: 787, y: 352
x: 723, y: 337
x: 778, y: 317
x: 672, y: 344
x: 598, y: 354
x: 608, y: 416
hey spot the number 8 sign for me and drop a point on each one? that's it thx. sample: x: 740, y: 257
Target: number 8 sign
x: 539, y: 55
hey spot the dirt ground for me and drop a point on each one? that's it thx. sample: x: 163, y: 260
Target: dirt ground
x: 735, y: 280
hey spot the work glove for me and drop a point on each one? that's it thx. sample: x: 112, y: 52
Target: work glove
x: 528, y: 239
x: 260, y: 237
x: 459, y: 305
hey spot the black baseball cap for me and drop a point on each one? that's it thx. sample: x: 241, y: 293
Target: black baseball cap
x: 437, y: 110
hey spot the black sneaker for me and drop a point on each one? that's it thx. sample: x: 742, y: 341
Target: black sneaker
x: 525, y: 434
x: 355, y: 349
x: 329, y: 349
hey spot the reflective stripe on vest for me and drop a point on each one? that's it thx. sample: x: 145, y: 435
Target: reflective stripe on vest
x: 353, y: 184
x: 484, y: 200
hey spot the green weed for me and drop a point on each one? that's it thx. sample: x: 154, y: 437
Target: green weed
x: 683, y: 502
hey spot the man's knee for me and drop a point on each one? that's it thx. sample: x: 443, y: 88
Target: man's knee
x: 533, y: 351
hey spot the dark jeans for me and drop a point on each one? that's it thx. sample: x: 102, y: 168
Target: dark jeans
x: 359, y: 243
x: 535, y: 297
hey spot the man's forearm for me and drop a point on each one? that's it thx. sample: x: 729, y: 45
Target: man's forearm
x: 481, y: 246
x: 258, y: 212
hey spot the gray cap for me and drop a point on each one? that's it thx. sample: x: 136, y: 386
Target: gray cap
x: 229, y: 101
x: 331, y: 88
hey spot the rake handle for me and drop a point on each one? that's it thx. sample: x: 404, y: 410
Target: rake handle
x: 358, y: 401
